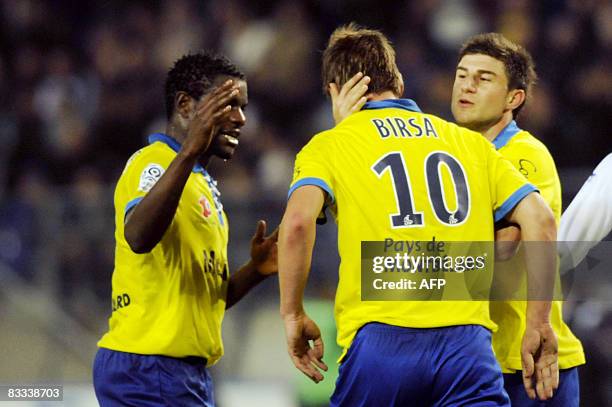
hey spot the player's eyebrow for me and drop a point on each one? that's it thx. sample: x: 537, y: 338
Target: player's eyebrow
x: 479, y: 71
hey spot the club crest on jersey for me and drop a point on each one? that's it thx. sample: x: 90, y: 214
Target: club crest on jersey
x: 206, y: 208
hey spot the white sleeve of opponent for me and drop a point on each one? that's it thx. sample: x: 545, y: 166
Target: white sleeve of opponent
x: 588, y: 219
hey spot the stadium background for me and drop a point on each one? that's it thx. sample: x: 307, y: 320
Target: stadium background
x: 81, y: 85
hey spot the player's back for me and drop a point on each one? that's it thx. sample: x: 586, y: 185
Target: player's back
x: 403, y: 174
x: 394, y: 172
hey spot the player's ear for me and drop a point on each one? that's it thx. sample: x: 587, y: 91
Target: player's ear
x: 184, y: 104
x: 516, y: 98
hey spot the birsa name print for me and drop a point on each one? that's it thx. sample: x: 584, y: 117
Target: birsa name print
x: 399, y: 127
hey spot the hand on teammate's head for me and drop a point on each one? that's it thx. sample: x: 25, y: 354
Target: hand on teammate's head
x: 350, y: 98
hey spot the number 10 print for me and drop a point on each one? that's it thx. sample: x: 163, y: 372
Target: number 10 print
x: 408, y: 216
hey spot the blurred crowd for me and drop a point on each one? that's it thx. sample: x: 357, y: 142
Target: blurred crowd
x: 82, y: 86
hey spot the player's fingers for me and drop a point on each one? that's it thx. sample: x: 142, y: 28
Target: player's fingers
x: 224, y: 87
x: 540, y: 390
x: 348, y: 85
x: 316, y: 355
x: 304, y: 365
x: 549, y: 387
x: 221, y: 88
x: 359, y: 104
x: 333, y: 91
x: 220, y: 113
x: 318, y: 362
x: 528, y: 363
x: 546, y: 379
x: 260, y: 231
x: 318, y: 347
x: 528, y: 376
x: 529, y: 389
x: 358, y: 90
x: 219, y: 101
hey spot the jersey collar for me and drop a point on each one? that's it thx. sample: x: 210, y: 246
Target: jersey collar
x: 505, y: 135
x: 406, y: 104
x: 176, y: 146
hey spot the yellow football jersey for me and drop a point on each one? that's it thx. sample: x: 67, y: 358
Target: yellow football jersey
x: 391, y: 171
x: 170, y: 301
x: 531, y: 157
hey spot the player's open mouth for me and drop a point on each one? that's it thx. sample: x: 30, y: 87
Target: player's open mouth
x: 231, y: 139
x: 465, y: 103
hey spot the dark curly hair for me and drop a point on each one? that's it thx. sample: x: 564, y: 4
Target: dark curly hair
x: 195, y: 74
x: 517, y: 61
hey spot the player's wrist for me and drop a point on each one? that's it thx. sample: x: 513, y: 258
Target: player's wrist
x: 538, y: 323
x: 292, y: 313
x: 257, y: 268
x: 188, y: 153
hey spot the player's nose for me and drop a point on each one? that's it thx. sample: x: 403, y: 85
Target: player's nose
x: 468, y: 86
x: 238, y: 118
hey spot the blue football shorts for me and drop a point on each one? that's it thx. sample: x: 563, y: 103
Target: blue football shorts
x: 389, y: 366
x: 566, y: 395
x: 129, y: 379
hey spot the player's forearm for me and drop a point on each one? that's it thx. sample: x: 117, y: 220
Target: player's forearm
x: 507, y: 240
x: 147, y: 222
x: 539, y: 234
x: 295, y: 243
x: 541, y: 259
x: 241, y: 282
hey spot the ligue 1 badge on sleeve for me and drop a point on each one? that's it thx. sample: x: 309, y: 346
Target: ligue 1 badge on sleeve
x: 206, y: 208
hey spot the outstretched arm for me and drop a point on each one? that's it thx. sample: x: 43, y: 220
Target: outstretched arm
x: 539, y: 347
x: 295, y: 244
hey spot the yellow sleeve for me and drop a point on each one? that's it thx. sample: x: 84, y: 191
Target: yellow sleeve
x: 142, y: 171
x: 537, y: 165
x: 508, y: 187
x: 314, y: 166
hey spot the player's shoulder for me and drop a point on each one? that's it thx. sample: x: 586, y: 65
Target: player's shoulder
x: 154, y: 151
x: 462, y: 131
x: 605, y: 166
x: 324, y: 139
x: 153, y: 158
x: 527, y: 142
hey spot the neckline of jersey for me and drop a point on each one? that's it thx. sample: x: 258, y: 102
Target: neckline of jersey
x: 406, y: 104
x: 176, y: 146
x: 504, y: 137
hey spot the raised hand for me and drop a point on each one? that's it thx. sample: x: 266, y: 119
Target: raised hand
x: 539, y: 354
x: 300, y: 330
x: 208, y: 115
x: 350, y: 98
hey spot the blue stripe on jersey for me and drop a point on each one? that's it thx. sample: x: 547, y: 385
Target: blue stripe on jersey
x: 506, y: 134
x: 513, y: 200
x: 175, y: 145
x: 130, y: 205
x: 406, y: 104
x: 313, y: 181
